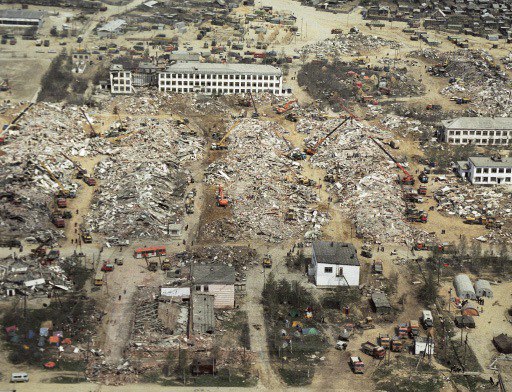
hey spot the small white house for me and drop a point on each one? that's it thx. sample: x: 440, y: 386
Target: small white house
x: 217, y: 280
x: 423, y: 345
x: 334, y: 264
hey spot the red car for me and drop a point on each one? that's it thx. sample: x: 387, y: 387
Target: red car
x: 107, y: 267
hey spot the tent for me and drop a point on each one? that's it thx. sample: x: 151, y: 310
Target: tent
x: 483, y: 288
x: 463, y: 287
x: 469, y: 310
x: 465, y: 322
x: 310, y: 331
x: 503, y: 343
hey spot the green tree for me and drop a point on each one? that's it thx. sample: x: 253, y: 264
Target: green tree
x: 427, y: 294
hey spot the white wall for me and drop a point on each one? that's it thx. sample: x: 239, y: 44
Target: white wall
x: 224, y: 294
x: 350, y: 275
x: 490, y: 175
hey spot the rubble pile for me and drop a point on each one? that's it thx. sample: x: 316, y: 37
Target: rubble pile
x: 262, y: 184
x: 36, y: 274
x: 35, y: 144
x: 475, y: 75
x: 238, y: 256
x: 144, y: 180
x: 463, y: 200
x: 346, y: 44
x: 364, y: 183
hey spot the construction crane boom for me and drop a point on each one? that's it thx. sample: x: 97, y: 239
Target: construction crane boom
x: 314, y: 149
x: 93, y: 132
x: 408, y: 179
x: 255, y: 114
x: 223, y: 140
x: 54, y: 178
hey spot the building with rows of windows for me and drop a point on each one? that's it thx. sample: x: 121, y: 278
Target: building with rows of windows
x: 481, y: 131
x: 213, y: 78
x: 120, y: 80
x: 486, y: 171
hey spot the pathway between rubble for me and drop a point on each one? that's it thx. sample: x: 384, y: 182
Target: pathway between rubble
x: 268, y: 378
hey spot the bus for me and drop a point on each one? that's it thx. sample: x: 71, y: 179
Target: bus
x: 154, y: 251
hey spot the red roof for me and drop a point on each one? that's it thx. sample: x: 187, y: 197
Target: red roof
x: 150, y: 249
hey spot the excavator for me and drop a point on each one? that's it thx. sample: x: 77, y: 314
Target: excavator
x: 313, y: 150
x: 221, y: 145
x: 408, y: 179
x: 286, y: 107
x: 222, y: 200
x: 93, y: 133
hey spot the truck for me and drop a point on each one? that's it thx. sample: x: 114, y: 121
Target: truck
x: 414, y: 328
x: 166, y: 265
x: 384, y: 341
x: 423, y: 178
x: 58, y: 221
x: 267, y: 261
x: 427, y: 319
x: 152, y: 265
x: 396, y: 344
x: 98, y: 279
x: 62, y: 202
x: 366, y: 251
x: 89, y: 181
x: 357, y: 365
x: 422, y: 190
x: 373, y: 350
x: 86, y: 237
x: 403, y: 330
x: 46, y: 43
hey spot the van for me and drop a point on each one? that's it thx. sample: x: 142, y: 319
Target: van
x: 426, y: 318
x: 19, y: 377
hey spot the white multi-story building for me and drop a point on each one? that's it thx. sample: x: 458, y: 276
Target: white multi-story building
x: 213, y: 78
x: 334, y: 264
x: 486, y: 171
x: 120, y: 80
x: 478, y: 130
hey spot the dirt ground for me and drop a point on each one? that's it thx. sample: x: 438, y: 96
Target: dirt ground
x: 117, y: 295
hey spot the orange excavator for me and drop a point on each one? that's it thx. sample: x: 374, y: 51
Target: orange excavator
x: 408, y: 179
x: 313, y: 150
x: 286, y: 107
x: 222, y: 200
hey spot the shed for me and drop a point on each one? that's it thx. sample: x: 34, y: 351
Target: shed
x: 503, y: 343
x: 380, y: 303
x: 469, y: 310
x: 464, y: 322
x: 483, y: 288
x: 463, y: 287
x: 204, y: 365
x: 203, y: 317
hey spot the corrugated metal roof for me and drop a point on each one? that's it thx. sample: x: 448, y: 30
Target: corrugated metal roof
x: 217, y: 68
x: 479, y: 123
x: 489, y: 162
x: 463, y: 284
x: 112, y: 25
x: 213, y: 273
x: 335, y: 253
x: 21, y: 14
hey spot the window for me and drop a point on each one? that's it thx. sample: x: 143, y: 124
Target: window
x: 198, y: 288
x: 339, y: 272
x: 493, y: 179
x: 328, y: 270
x: 486, y: 170
x: 494, y: 170
x: 479, y: 170
x: 502, y: 170
x: 478, y: 179
x: 206, y: 289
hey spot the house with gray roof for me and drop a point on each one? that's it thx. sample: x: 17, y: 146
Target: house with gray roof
x: 495, y: 170
x: 21, y: 18
x: 217, y: 280
x: 334, y: 264
x: 481, y: 131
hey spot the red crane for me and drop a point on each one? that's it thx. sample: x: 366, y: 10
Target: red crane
x: 313, y: 150
x: 408, y: 179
